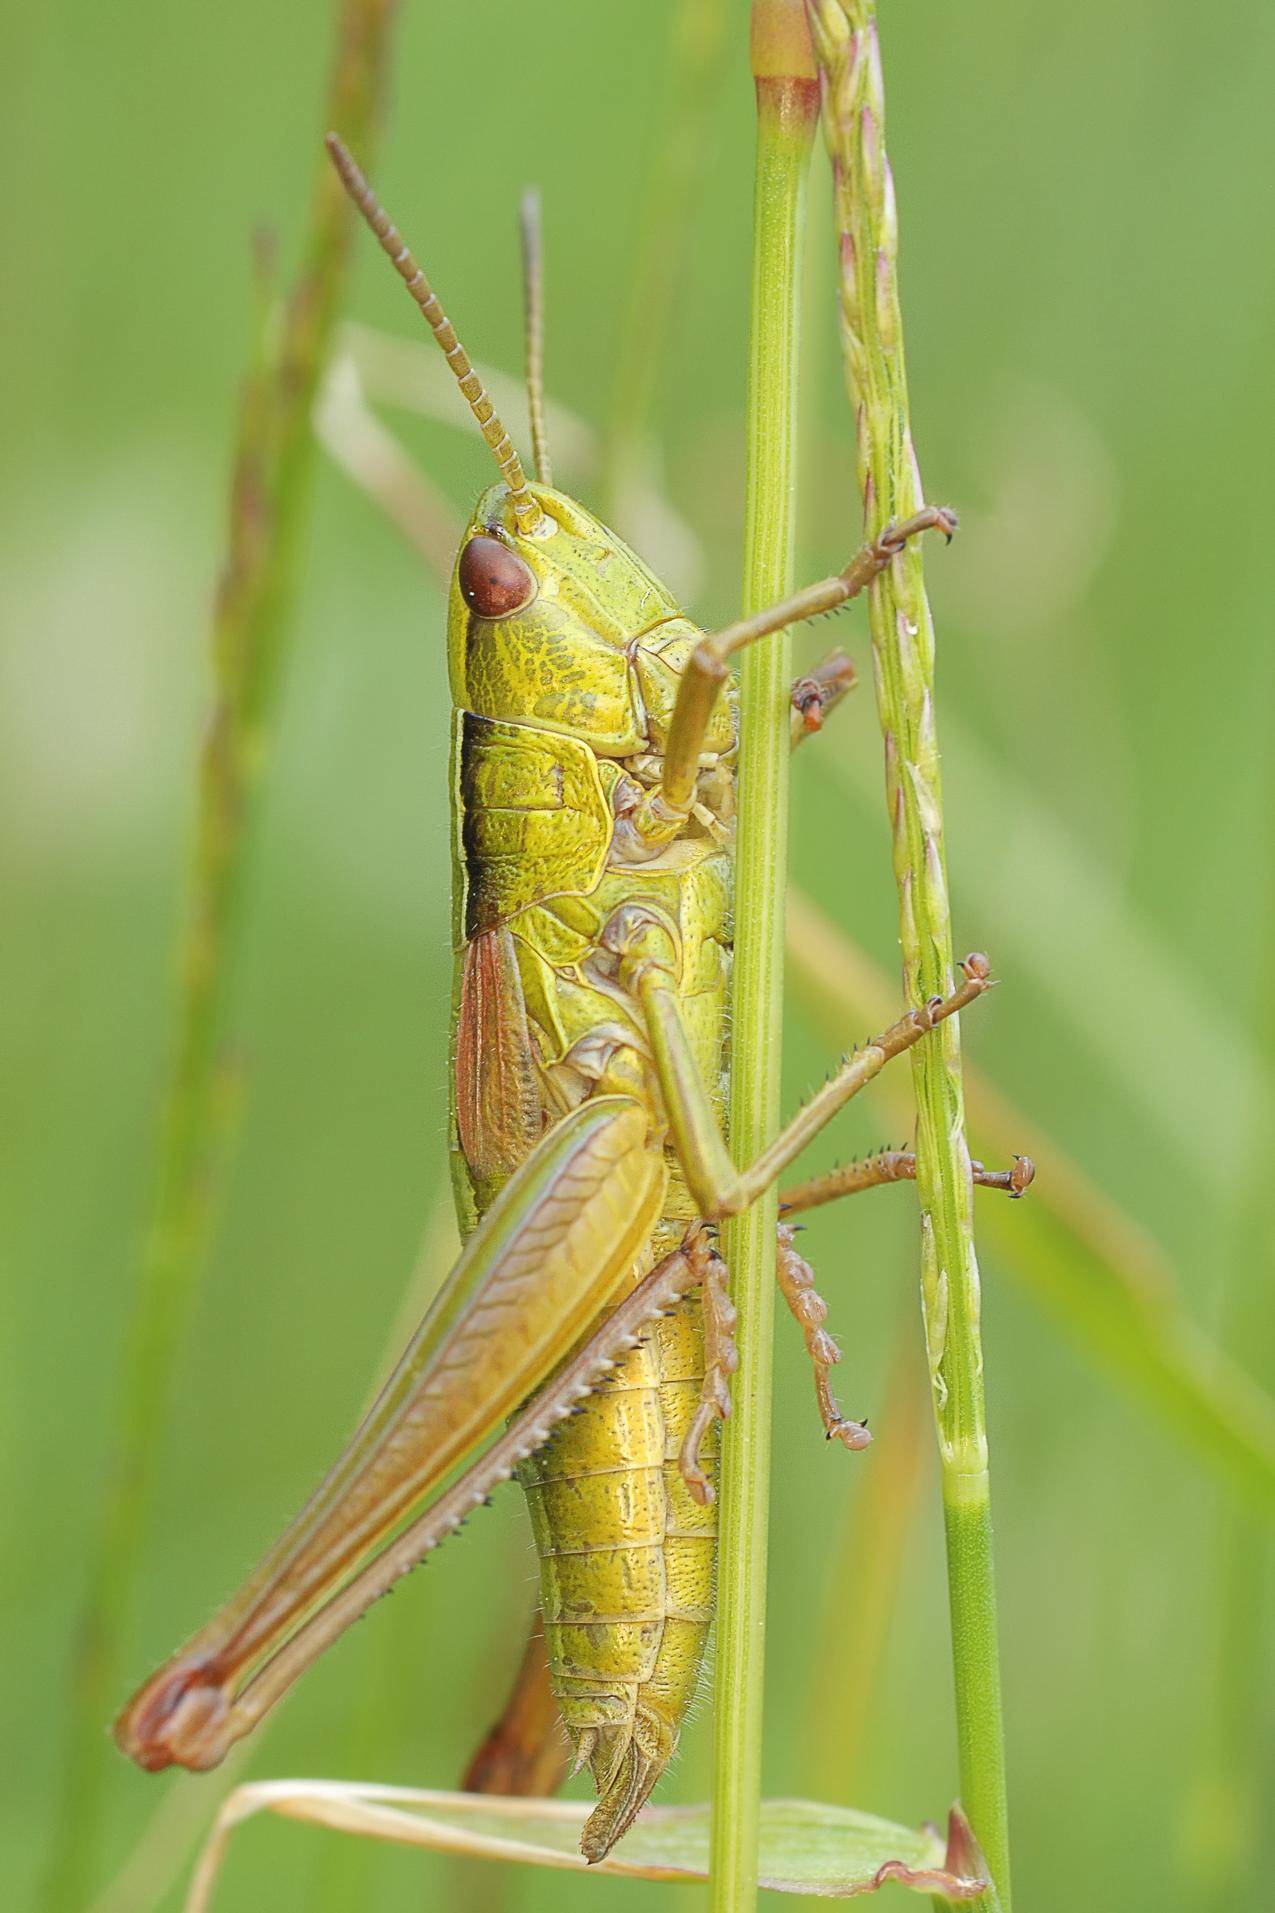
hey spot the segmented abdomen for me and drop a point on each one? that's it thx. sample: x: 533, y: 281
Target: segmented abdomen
x: 626, y: 1563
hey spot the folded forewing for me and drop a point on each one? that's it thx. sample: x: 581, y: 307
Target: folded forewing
x: 547, y: 1257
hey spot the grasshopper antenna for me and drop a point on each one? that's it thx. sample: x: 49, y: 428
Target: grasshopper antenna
x: 531, y: 521
x: 533, y: 280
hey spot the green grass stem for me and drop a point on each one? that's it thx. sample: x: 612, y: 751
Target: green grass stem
x: 903, y: 649
x: 268, y: 495
x: 787, y: 106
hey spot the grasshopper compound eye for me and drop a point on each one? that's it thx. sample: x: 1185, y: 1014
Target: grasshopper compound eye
x: 494, y: 581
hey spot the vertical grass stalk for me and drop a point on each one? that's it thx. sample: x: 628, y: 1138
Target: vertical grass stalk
x: 787, y: 108
x: 845, y: 33
x: 269, y: 490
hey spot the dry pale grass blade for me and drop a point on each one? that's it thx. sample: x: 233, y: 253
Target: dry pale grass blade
x: 1054, y: 912
x: 160, y: 1856
x: 806, y: 1847
x: 408, y: 375
x: 380, y: 465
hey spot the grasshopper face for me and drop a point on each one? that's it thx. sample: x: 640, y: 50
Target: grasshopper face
x: 542, y: 626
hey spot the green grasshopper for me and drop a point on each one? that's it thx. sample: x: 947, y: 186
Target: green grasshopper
x: 593, y: 779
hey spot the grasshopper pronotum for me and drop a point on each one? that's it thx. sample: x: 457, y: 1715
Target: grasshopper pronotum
x: 592, y: 788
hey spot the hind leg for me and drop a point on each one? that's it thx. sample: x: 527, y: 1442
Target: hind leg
x: 525, y: 1751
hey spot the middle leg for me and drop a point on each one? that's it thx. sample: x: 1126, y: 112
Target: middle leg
x: 717, y: 1185
x: 797, y: 1286
x: 796, y: 1280
x: 796, y: 1277
x: 894, y: 1165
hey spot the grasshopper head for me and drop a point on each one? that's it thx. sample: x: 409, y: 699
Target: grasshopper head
x: 540, y: 623
x: 545, y: 600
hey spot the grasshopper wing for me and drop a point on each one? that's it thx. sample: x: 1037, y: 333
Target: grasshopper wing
x: 546, y: 1259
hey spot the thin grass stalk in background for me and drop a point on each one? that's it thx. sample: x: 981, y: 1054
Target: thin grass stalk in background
x: 1225, y: 1821
x: 787, y: 107
x: 903, y: 652
x: 664, y: 235
x: 269, y: 491
x: 1226, y: 1832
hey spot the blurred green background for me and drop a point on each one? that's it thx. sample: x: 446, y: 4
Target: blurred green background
x: 1090, y: 299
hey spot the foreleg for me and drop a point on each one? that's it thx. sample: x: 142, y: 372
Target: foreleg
x: 664, y: 810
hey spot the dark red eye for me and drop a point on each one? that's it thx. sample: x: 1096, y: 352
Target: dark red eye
x: 493, y: 580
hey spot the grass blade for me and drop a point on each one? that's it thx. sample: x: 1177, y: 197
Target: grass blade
x: 269, y: 489
x: 807, y: 1847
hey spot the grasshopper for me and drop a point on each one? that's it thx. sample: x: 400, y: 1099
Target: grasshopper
x: 593, y: 781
